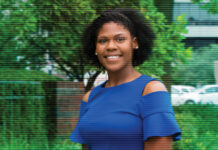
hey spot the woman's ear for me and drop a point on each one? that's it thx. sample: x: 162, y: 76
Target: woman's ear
x: 135, y: 43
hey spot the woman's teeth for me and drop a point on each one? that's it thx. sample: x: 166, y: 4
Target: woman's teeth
x: 112, y: 57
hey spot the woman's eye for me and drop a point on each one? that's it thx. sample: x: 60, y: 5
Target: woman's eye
x: 120, y: 39
x: 102, y: 40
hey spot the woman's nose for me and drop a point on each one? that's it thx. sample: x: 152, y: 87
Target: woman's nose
x: 111, y: 45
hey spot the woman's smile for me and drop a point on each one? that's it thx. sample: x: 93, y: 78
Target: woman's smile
x: 112, y: 57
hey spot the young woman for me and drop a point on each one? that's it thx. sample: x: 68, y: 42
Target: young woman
x: 129, y: 111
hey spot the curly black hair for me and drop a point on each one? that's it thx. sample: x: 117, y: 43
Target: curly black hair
x: 132, y: 20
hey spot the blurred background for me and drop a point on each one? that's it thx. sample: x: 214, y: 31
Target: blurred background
x: 43, y: 73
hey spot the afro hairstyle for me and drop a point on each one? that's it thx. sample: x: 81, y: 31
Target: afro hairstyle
x: 132, y: 20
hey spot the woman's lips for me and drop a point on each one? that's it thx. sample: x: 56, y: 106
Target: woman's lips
x: 112, y: 58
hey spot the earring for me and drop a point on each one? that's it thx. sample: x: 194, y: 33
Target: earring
x: 137, y: 47
x: 96, y: 54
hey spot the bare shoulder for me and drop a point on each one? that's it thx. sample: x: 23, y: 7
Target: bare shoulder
x: 154, y: 86
x: 86, y: 96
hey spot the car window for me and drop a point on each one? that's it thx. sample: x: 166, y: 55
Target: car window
x: 216, y: 89
x: 185, y: 90
x: 192, y: 89
x: 211, y: 90
x: 174, y: 91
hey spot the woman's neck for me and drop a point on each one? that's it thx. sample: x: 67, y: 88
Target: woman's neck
x: 117, y: 78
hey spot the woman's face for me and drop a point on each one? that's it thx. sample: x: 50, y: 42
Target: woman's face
x: 114, y: 47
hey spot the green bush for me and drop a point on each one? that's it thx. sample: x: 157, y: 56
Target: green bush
x: 199, y: 127
x: 25, y: 75
x: 24, y: 119
x: 200, y: 68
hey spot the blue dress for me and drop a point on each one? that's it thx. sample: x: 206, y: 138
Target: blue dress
x: 120, y: 118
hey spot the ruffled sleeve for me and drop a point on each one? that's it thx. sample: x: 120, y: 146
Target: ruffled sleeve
x: 158, y: 116
x: 76, y: 136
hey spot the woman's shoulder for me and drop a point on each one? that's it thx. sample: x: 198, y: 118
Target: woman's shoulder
x: 92, y: 92
x: 86, y: 96
x: 154, y: 86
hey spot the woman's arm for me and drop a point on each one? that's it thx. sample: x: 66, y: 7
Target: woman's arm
x: 157, y: 143
x: 85, y: 147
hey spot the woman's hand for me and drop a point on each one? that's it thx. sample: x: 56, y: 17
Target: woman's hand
x: 159, y: 143
x: 85, y: 147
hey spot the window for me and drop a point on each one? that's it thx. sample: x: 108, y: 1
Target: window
x: 174, y: 91
x: 212, y: 90
x: 194, y: 14
x: 216, y: 89
x: 185, y: 90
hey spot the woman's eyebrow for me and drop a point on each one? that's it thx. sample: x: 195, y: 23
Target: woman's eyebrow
x: 103, y: 36
x: 119, y: 34
x: 99, y: 37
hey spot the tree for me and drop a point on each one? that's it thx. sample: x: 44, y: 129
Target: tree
x: 17, y: 23
x: 165, y: 7
x: 169, y: 48
x: 168, y: 45
x: 58, y: 26
x: 61, y: 24
x: 200, y: 70
x: 211, y: 5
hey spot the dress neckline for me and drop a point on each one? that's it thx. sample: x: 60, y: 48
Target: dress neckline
x: 120, y: 85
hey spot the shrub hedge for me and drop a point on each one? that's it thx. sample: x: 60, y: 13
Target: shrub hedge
x: 25, y: 75
x: 199, y: 127
x: 25, y: 117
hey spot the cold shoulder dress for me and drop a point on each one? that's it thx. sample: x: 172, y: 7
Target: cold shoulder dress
x: 120, y: 118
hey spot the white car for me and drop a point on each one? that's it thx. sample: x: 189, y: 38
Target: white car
x: 207, y: 94
x: 177, y: 92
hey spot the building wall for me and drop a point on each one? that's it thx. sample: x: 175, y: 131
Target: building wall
x: 68, y: 96
x: 202, y: 26
x: 194, y: 14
